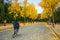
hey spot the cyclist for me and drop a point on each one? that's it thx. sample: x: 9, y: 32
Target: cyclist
x: 16, y: 27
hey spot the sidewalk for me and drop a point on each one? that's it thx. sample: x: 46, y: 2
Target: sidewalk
x: 56, y: 29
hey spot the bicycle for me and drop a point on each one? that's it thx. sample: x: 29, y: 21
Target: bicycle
x: 15, y: 33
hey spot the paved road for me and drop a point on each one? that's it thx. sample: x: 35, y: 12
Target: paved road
x: 33, y: 32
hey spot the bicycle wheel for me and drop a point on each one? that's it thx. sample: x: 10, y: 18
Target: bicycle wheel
x: 15, y: 33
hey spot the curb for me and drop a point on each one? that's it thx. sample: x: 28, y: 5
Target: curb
x: 54, y: 32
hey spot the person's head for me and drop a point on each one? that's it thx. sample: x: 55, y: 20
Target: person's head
x: 15, y: 19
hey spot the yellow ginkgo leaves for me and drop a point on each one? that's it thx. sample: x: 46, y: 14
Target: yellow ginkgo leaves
x: 14, y: 8
x: 49, y: 7
x: 24, y: 10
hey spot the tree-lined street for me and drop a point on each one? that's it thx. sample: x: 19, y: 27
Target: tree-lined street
x: 37, y: 19
x: 33, y: 32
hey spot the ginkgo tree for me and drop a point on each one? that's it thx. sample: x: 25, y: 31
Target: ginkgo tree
x: 50, y: 5
x: 14, y: 7
x: 46, y: 13
x: 31, y: 11
x: 26, y: 10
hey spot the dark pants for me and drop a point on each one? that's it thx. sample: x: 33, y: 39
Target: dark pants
x: 15, y: 30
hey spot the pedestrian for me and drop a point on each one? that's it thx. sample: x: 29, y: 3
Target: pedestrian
x: 5, y: 22
x: 16, y: 27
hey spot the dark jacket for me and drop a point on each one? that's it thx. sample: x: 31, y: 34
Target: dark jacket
x: 16, y: 24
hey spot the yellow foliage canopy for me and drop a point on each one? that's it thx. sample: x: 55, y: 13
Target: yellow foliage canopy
x: 14, y: 8
x: 49, y: 7
x: 32, y: 12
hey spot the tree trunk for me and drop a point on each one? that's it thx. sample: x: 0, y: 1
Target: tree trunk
x: 53, y: 23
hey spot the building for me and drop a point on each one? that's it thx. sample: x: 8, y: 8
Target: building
x: 58, y: 7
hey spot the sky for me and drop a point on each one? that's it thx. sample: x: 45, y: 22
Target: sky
x: 35, y: 2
